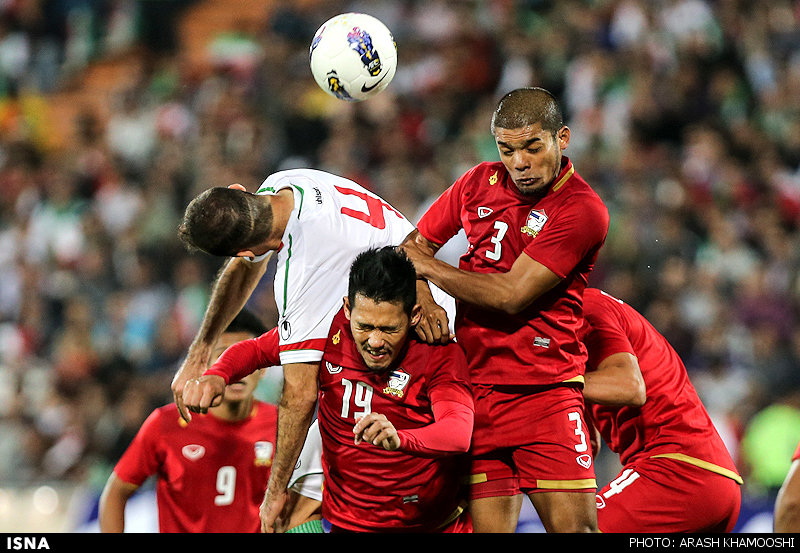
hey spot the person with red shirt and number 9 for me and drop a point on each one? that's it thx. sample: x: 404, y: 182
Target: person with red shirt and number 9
x: 315, y: 224
x: 395, y: 413
x: 535, y: 228
x: 211, y: 474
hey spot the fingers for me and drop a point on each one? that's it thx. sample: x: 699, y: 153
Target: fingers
x: 376, y: 429
x: 433, y: 328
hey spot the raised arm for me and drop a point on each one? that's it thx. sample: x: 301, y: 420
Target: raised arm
x: 233, y: 287
x: 509, y: 292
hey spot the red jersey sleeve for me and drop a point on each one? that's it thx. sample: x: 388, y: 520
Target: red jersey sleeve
x: 452, y: 405
x: 246, y: 357
x: 143, y: 457
x: 571, y: 236
x: 442, y: 220
x: 796, y: 455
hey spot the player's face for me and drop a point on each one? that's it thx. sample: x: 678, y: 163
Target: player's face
x: 531, y: 155
x: 380, y: 330
x: 244, y: 388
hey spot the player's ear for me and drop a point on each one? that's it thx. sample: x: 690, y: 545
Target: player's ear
x: 563, y: 136
x: 346, y: 303
x: 246, y: 253
x: 416, y: 314
x: 237, y: 186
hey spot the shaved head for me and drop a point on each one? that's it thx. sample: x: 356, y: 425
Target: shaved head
x: 528, y: 106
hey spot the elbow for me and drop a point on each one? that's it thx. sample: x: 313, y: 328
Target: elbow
x: 638, y: 393
x: 511, y: 303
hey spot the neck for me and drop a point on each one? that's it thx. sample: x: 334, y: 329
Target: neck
x: 233, y: 410
x: 282, y: 206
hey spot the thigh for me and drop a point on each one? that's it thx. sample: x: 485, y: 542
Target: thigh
x: 570, y: 512
x: 498, y: 514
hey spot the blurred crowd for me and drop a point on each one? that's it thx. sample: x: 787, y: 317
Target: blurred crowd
x: 685, y: 117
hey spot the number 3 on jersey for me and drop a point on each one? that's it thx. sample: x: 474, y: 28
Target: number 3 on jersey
x: 501, y: 228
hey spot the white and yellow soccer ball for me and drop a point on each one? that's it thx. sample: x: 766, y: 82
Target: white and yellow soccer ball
x: 353, y: 56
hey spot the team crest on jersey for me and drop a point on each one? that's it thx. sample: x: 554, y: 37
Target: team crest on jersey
x: 535, y: 222
x: 398, y: 380
x: 263, y: 451
x: 193, y: 452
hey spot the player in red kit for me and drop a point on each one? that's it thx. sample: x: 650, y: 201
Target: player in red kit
x: 395, y: 413
x: 535, y: 228
x: 211, y: 473
x: 787, y: 502
x: 647, y: 411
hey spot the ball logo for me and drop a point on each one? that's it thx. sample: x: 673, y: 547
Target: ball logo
x: 336, y: 87
x: 361, y: 43
x: 193, y: 452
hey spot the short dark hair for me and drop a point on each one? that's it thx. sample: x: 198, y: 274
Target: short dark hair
x: 528, y: 106
x: 383, y: 274
x: 247, y: 321
x: 224, y: 221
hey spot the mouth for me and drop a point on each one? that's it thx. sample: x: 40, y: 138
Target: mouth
x: 528, y: 181
x: 377, y: 356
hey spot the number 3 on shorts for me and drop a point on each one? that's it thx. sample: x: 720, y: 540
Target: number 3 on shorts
x: 575, y: 417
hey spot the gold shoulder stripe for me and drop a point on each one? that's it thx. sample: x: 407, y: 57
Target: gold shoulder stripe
x: 564, y: 179
x: 702, y: 464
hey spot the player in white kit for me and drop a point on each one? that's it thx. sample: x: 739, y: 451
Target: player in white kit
x: 317, y: 223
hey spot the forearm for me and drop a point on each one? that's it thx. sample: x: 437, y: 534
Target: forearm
x: 231, y: 290
x: 617, y: 381
x: 295, y: 414
x: 449, y: 434
x: 487, y: 290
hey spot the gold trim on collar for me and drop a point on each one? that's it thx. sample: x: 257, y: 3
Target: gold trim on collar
x: 565, y: 178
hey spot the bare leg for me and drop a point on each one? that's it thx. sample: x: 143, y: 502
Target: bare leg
x: 495, y: 514
x: 570, y: 512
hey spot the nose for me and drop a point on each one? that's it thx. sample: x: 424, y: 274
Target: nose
x: 520, y: 161
x: 375, y: 340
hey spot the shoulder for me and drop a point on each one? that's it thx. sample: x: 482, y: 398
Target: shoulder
x: 489, y: 172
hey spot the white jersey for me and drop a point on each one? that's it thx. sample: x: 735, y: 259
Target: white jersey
x: 333, y: 220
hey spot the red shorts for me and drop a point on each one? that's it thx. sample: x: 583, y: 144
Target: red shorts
x: 668, y: 496
x: 530, y: 439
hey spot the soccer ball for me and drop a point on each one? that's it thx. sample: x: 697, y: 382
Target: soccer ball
x: 353, y: 56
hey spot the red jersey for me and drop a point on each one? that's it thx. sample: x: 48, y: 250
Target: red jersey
x: 673, y: 422
x: 367, y: 487
x: 212, y: 473
x: 563, y: 230
x: 796, y: 455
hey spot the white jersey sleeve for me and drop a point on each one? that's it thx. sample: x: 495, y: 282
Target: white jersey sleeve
x: 307, y: 477
x: 333, y: 220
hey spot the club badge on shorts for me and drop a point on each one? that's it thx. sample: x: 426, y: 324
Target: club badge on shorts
x: 535, y: 222
x: 398, y: 380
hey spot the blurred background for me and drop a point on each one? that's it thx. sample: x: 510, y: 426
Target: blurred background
x: 685, y: 117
